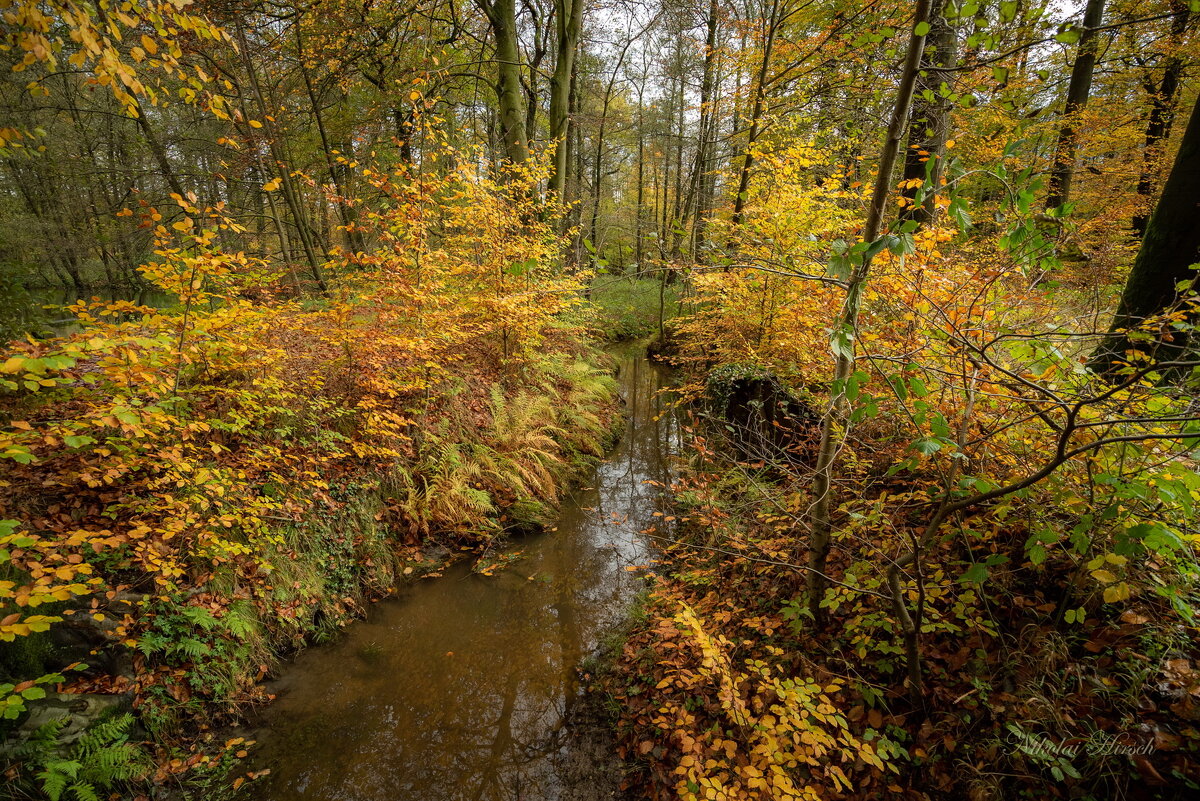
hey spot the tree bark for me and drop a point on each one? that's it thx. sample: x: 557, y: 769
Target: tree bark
x: 338, y: 173
x: 502, y: 15
x: 291, y: 194
x: 706, y: 139
x: 1170, y: 247
x: 846, y: 326
x: 756, y: 113
x: 929, y: 124
x: 1162, y: 112
x: 1078, y: 90
x: 568, y: 24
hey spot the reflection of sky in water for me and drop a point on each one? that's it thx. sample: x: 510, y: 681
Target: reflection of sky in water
x: 457, y: 689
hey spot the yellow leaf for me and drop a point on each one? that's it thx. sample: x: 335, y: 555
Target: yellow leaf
x: 1115, y: 593
x: 255, y: 124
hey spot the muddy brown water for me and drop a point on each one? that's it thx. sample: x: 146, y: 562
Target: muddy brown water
x: 464, y: 686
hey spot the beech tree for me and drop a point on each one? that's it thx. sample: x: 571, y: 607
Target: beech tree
x: 1163, y: 273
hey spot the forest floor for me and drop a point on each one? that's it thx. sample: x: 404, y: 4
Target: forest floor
x: 727, y: 689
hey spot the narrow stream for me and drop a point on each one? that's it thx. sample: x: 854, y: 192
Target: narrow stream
x: 459, y: 687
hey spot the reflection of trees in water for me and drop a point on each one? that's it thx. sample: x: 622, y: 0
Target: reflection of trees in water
x: 487, y: 722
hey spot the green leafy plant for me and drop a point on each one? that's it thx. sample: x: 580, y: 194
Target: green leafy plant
x: 102, y: 761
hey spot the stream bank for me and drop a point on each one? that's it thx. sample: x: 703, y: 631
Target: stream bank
x: 467, y: 686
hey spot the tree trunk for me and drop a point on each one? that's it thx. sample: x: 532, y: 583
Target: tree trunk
x: 1162, y: 112
x: 1080, y: 87
x: 640, y: 211
x: 706, y: 140
x: 291, y: 194
x: 1169, y: 248
x: 929, y: 124
x: 338, y: 173
x: 846, y: 326
x: 569, y: 23
x: 756, y: 113
x: 502, y: 15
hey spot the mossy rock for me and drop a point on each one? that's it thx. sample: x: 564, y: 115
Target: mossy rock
x: 763, y: 418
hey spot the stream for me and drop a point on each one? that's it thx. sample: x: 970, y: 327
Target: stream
x: 463, y: 686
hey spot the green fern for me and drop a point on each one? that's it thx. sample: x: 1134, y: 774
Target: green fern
x: 101, y: 761
x: 57, y: 775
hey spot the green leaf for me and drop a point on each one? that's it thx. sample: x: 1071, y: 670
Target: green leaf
x: 842, y: 341
x: 1069, y: 36
x: 922, y: 29
x: 839, y: 267
x: 976, y: 574
x: 927, y: 446
x: 875, y: 248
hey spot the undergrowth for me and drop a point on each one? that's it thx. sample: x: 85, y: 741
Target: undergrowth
x: 630, y: 307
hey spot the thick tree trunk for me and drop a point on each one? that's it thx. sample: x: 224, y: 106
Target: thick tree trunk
x: 569, y: 23
x: 1078, y: 90
x: 1169, y: 248
x: 502, y: 14
x: 929, y: 124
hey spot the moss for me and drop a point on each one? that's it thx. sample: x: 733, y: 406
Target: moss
x: 627, y: 308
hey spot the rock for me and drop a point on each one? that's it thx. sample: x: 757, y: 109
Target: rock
x: 435, y: 554
x: 78, y: 710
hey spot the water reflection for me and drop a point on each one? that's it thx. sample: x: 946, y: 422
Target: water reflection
x: 53, y: 319
x: 459, y: 688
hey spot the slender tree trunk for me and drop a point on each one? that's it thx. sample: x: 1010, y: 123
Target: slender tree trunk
x: 640, y: 211
x: 846, y: 326
x: 705, y: 142
x: 158, y: 152
x: 290, y: 193
x: 569, y: 23
x: 337, y: 172
x: 756, y: 112
x: 575, y: 163
x: 1080, y: 87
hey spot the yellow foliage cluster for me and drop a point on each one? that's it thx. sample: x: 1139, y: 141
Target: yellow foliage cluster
x: 113, y: 42
x: 177, y: 441
x: 781, y: 738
